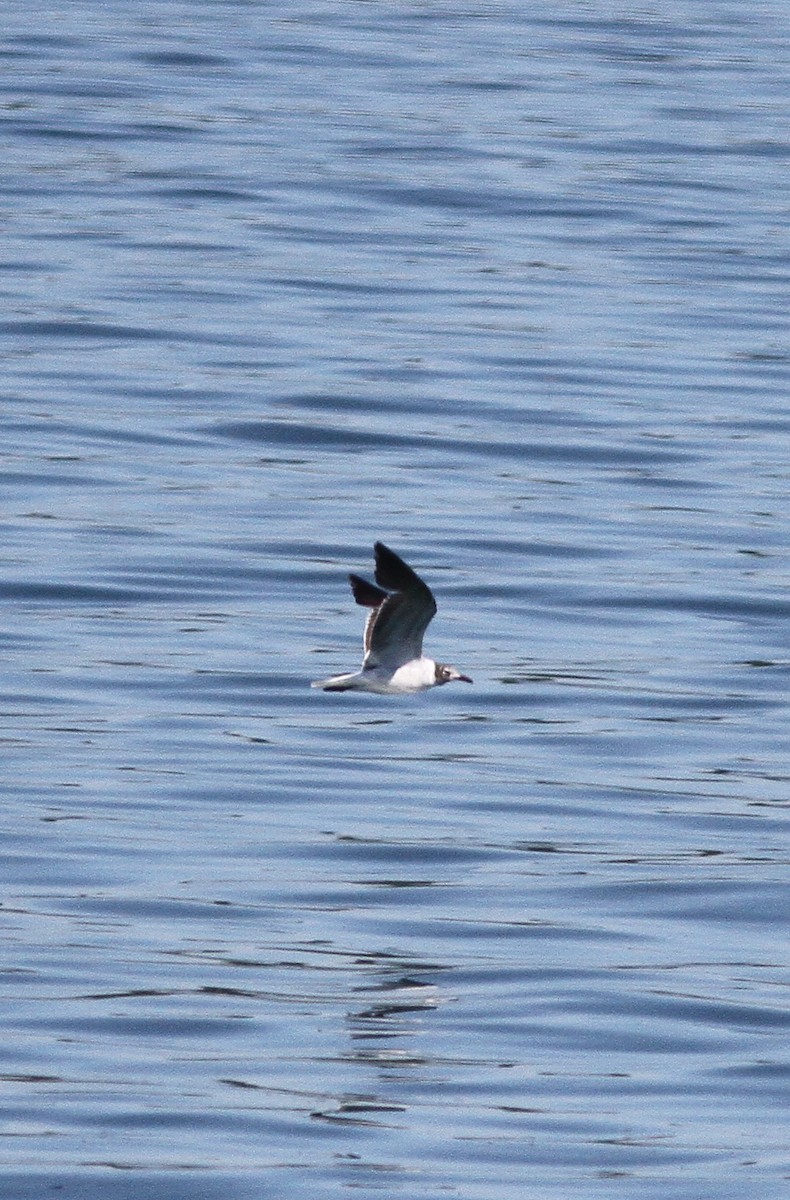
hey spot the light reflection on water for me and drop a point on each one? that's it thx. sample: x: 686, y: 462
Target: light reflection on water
x: 521, y: 315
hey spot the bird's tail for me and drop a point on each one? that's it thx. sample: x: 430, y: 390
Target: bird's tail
x: 337, y: 683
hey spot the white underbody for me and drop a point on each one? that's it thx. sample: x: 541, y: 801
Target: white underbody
x: 414, y: 676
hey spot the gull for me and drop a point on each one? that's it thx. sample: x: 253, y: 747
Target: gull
x: 402, y: 609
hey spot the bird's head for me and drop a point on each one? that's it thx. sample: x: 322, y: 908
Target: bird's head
x: 446, y: 674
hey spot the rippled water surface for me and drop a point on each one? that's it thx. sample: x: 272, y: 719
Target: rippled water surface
x: 506, y: 287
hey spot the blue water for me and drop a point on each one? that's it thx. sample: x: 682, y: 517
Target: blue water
x: 506, y: 287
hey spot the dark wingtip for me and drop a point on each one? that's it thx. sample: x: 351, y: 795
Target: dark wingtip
x: 392, y: 572
x: 382, y: 551
x: 365, y: 593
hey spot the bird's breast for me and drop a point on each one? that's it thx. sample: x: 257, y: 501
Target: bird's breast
x: 414, y: 676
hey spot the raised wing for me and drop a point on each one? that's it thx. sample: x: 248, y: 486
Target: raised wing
x: 396, y: 628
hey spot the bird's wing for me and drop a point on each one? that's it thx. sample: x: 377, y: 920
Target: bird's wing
x: 395, y: 575
x: 369, y: 596
x: 396, y: 628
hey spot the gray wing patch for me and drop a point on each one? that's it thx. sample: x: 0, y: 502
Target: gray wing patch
x: 396, y: 630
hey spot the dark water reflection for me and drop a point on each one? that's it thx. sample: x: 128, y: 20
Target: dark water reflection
x: 509, y: 291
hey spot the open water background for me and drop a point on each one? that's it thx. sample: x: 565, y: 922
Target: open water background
x: 506, y: 286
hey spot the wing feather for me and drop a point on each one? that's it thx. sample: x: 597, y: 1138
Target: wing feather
x: 395, y: 630
x: 366, y: 593
x: 369, y: 596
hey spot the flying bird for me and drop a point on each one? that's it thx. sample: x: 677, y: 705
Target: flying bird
x: 402, y: 607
